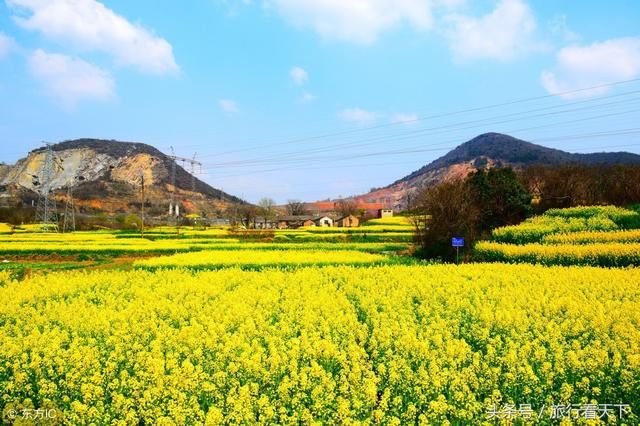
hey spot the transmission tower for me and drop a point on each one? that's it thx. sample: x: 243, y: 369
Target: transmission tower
x: 194, y: 163
x: 173, y: 207
x: 46, y: 212
x: 172, y: 203
x: 69, y: 222
x: 69, y: 218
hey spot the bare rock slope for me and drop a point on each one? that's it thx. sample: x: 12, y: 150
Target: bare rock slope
x: 106, y: 175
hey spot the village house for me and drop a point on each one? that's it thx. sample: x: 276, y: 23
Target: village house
x: 324, y: 221
x: 289, y: 222
x: 349, y: 221
x: 292, y: 222
x: 330, y: 208
x: 382, y: 213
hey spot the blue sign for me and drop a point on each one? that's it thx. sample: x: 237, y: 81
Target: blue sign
x: 457, y: 242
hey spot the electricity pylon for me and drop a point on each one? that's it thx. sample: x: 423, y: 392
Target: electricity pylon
x: 46, y: 212
x: 173, y: 207
x: 194, y: 163
x: 69, y: 222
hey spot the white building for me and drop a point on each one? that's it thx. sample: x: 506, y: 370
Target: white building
x: 324, y: 221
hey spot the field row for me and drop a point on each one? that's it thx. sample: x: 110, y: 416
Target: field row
x: 389, y: 344
x: 562, y: 221
x: 214, y: 259
x: 596, y: 254
x: 598, y: 236
x: 182, y: 246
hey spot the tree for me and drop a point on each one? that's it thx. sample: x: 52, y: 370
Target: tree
x: 573, y: 185
x: 132, y: 221
x: 17, y: 215
x: 500, y: 197
x: 444, y: 211
x: 468, y: 208
x: 231, y: 214
x: 296, y: 208
x: 267, y: 209
x: 248, y: 214
x: 347, y: 207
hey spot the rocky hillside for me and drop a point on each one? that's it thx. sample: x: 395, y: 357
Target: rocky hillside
x: 487, y: 150
x: 106, y: 176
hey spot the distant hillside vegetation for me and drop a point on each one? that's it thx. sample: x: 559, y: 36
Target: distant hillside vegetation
x: 487, y: 150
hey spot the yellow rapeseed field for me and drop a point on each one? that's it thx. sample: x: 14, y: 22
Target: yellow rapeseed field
x: 596, y: 254
x: 212, y: 258
x: 594, y: 235
x: 561, y: 221
x: 589, y: 237
x: 337, y: 345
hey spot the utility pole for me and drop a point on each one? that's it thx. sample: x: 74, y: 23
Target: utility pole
x: 142, y: 213
x: 46, y: 212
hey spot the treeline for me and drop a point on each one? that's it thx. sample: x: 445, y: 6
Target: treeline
x: 17, y: 215
x: 488, y: 199
x: 576, y: 185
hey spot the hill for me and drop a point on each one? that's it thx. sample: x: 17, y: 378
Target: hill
x: 106, y: 175
x: 486, y: 150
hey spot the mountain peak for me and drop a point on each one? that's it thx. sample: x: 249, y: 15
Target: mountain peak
x: 500, y: 149
x: 104, y: 146
x: 489, y: 150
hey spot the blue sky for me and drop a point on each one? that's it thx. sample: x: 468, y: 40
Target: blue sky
x: 310, y: 99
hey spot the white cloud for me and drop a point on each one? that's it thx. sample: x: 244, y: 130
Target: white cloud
x: 358, y: 21
x: 451, y: 4
x: 299, y: 75
x: 592, y: 65
x: 228, y: 106
x: 308, y: 98
x: 559, y: 27
x: 90, y: 26
x: 503, y: 34
x: 359, y: 116
x: 70, y: 79
x: 405, y: 118
x: 6, y: 45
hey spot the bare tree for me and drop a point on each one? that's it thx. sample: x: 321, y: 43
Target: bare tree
x: 573, y: 185
x: 267, y: 209
x: 347, y: 207
x: 296, y: 208
x: 232, y: 213
x: 248, y: 214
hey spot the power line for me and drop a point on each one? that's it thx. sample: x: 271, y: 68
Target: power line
x: 447, y: 127
x: 622, y: 132
x: 428, y: 117
x: 289, y: 160
x: 396, y: 138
